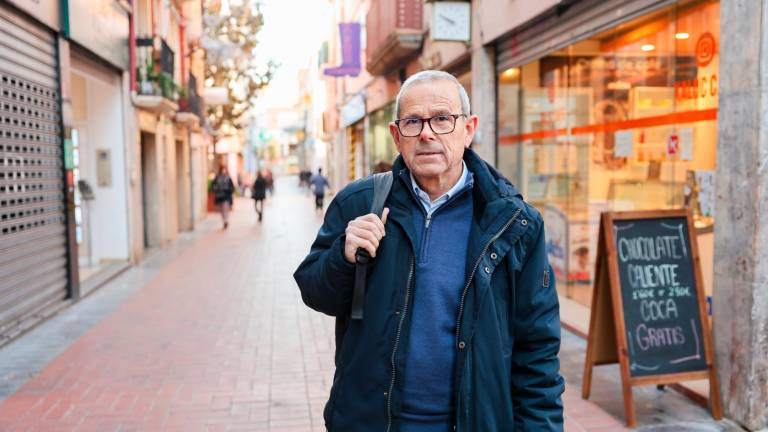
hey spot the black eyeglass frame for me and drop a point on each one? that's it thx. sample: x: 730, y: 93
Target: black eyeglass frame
x: 429, y: 121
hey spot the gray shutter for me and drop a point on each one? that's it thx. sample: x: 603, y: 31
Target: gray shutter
x: 565, y: 24
x: 33, y: 252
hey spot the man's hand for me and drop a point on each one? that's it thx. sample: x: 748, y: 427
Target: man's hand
x: 364, y: 232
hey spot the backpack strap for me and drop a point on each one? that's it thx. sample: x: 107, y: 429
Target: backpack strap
x: 382, y: 184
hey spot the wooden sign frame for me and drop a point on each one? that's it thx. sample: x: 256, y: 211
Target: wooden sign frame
x: 607, y: 341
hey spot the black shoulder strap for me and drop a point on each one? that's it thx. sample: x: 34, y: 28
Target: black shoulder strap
x: 382, y: 184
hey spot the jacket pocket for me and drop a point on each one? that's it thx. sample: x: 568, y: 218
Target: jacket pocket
x: 330, y: 406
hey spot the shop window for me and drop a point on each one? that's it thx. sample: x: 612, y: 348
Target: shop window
x: 382, y: 149
x: 625, y: 120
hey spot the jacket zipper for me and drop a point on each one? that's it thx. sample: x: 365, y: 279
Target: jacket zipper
x: 474, y: 269
x: 397, y: 342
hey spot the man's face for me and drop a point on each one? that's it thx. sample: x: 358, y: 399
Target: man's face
x: 430, y: 156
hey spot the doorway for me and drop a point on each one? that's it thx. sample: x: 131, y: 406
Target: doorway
x: 150, y: 190
x: 182, y: 187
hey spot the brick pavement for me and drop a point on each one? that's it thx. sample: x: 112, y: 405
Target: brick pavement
x: 218, y: 340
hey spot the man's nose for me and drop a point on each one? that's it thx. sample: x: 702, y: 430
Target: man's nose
x: 427, y: 134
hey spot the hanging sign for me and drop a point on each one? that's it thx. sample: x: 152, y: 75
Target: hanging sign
x: 350, y: 51
x: 648, y: 305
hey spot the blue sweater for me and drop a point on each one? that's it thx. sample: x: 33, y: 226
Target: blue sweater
x: 440, y: 276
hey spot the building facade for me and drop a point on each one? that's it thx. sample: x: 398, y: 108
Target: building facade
x: 167, y: 134
x: 74, y: 179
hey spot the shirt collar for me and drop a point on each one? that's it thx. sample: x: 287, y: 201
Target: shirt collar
x: 424, y: 197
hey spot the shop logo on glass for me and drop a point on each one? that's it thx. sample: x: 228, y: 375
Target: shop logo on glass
x: 705, y: 49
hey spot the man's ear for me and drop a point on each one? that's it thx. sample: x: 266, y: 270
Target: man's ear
x: 395, y: 135
x: 471, y: 128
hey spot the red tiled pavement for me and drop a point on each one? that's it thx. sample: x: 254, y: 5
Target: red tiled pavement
x: 218, y: 341
x: 582, y: 415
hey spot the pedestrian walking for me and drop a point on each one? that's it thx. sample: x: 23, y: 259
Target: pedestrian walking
x: 259, y: 193
x: 223, y: 188
x: 270, y: 181
x: 240, y: 184
x: 461, y: 328
x: 304, y: 176
x: 318, y: 183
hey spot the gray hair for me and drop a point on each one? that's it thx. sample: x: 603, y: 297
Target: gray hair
x: 429, y: 76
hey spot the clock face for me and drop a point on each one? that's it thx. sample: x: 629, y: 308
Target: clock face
x: 450, y: 21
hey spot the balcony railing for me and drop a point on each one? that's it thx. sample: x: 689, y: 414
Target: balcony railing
x: 155, y: 64
x: 394, y: 31
x: 190, y: 102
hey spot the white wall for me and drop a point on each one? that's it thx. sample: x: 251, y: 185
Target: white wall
x: 499, y: 16
x: 103, y: 130
x: 199, y: 176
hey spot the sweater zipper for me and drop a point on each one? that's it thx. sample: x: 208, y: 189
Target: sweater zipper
x: 474, y: 269
x: 397, y: 342
x: 425, y: 239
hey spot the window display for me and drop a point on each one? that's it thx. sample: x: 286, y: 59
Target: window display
x: 625, y: 120
x: 382, y: 150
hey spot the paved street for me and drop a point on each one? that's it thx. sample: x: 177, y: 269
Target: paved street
x: 210, y: 334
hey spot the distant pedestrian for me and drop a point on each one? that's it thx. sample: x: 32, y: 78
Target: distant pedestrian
x: 270, y: 181
x: 318, y: 182
x: 240, y: 184
x: 223, y: 188
x: 304, y: 176
x: 382, y: 167
x: 259, y: 193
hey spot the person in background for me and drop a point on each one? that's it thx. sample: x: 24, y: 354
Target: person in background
x: 270, y: 181
x: 259, y: 193
x: 381, y: 167
x: 240, y: 184
x: 318, y: 182
x: 304, y: 176
x: 223, y: 188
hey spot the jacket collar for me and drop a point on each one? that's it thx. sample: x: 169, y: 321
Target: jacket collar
x: 493, y: 194
x: 493, y: 197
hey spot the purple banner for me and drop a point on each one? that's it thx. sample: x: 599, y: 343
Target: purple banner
x: 350, y: 51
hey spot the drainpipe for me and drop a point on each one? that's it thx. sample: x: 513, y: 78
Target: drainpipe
x: 192, y: 215
x: 182, y: 51
x: 132, y: 47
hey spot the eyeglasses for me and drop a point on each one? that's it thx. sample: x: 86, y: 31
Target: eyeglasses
x: 440, y: 124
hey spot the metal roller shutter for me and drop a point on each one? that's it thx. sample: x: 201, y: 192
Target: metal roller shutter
x: 572, y: 21
x: 33, y: 247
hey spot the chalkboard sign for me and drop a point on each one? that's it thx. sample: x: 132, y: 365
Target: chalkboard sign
x: 662, y: 317
x: 648, y: 304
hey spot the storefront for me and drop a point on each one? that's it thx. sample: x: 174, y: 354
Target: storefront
x: 355, y: 150
x: 95, y: 78
x: 98, y: 142
x: 618, y: 119
x: 353, y: 123
x: 381, y: 149
x: 35, y: 251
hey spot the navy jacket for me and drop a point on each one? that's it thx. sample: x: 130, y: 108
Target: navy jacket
x: 508, y: 326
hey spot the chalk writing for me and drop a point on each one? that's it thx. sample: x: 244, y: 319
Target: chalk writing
x: 661, y: 311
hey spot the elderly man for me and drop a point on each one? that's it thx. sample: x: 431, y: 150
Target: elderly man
x: 461, y: 328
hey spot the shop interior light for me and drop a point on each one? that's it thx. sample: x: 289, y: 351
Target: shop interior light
x: 648, y: 47
x: 682, y: 35
x: 511, y: 73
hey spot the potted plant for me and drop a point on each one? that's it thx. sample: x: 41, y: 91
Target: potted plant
x: 211, y: 196
x: 183, y: 93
